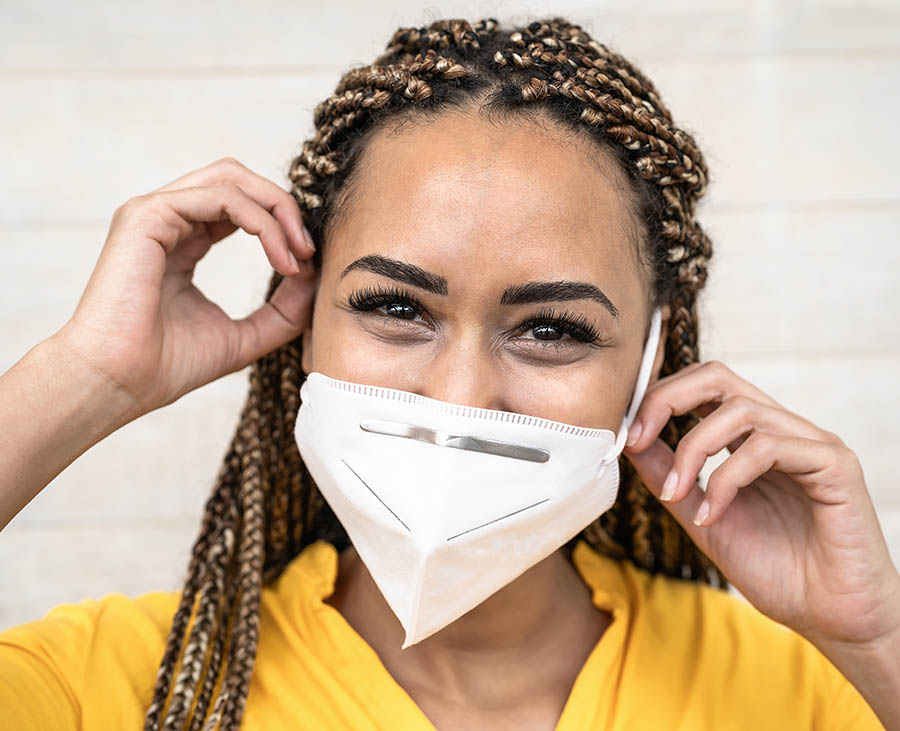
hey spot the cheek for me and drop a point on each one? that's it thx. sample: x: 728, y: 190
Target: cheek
x: 592, y: 397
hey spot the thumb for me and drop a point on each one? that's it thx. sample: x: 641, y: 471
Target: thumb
x: 653, y: 465
x: 285, y: 316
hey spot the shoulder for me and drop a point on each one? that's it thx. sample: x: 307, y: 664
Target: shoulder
x: 688, y: 618
x: 58, y: 670
x: 112, y: 615
x: 717, y: 625
x: 713, y: 652
x: 768, y: 668
x: 78, y: 645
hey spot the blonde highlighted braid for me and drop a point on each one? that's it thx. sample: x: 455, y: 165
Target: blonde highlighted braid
x: 265, y: 507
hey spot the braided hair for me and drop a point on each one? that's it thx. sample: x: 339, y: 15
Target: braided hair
x: 265, y: 507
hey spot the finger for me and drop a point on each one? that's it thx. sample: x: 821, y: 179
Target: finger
x: 709, y: 382
x: 285, y: 316
x: 821, y: 468
x: 652, y: 465
x: 736, y: 417
x: 701, y: 410
x: 281, y: 204
x: 176, y: 211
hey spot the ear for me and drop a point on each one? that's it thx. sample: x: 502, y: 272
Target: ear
x: 306, y: 356
x: 666, y: 313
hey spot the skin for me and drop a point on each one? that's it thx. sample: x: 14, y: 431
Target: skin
x: 538, y: 206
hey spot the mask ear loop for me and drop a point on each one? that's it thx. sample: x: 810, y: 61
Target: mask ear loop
x: 643, y: 381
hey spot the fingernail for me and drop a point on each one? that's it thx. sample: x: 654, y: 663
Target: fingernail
x: 634, y: 433
x: 668, y: 488
x: 702, y: 513
x: 294, y: 262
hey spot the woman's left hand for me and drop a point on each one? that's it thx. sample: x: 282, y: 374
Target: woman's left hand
x: 790, y: 523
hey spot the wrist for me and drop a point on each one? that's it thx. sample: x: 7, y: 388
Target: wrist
x: 52, y: 409
x: 92, y: 406
x: 873, y: 666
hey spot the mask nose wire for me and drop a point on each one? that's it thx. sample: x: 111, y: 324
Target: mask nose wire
x: 643, y: 381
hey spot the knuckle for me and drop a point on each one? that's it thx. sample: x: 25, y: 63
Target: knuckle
x: 847, y: 456
x: 832, y: 438
x: 132, y: 203
x: 229, y: 163
x: 718, y: 369
x: 150, y: 214
x: 762, y: 444
x: 740, y: 402
x: 226, y: 169
x: 130, y: 207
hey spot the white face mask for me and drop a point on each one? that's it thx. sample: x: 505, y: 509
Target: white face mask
x: 444, y: 503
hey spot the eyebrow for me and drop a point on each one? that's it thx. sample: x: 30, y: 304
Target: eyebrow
x: 520, y: 294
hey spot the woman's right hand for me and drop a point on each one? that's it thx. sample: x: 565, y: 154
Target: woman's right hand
x: 141, y: 324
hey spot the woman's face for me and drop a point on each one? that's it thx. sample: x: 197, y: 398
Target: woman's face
x: 476, y: 222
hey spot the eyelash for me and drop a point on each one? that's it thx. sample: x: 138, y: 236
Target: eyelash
x: 579, y: 328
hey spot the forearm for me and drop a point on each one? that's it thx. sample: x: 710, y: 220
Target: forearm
x: 51, y: 412
x: 874, y: 669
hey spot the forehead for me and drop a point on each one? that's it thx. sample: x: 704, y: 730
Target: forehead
x: 518, y: 196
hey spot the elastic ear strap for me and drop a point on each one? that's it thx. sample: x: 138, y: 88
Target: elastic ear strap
x: 643, y: 380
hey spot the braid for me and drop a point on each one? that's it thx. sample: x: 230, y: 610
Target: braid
x: 219, y: 641
x: 265, y: 507
x: 215, y: 519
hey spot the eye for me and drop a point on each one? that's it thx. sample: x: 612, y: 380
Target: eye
x: 399, y: 305
x: 551, y: 328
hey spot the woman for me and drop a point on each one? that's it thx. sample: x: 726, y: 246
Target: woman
x: 498, y: 219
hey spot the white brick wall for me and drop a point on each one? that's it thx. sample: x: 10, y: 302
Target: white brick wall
x: 792, y: 102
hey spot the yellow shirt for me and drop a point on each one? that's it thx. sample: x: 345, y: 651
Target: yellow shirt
x: 677, y: 655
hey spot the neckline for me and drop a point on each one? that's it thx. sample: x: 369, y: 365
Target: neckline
x: 596, y: 680
x: 345, y: 650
